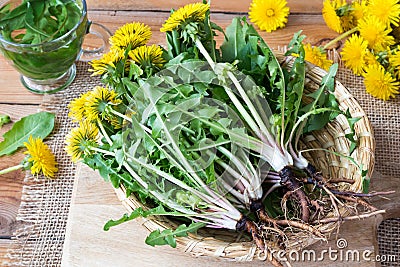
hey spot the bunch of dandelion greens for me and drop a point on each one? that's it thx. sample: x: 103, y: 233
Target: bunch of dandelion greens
x: 274, y: 147
x: 194, y: 135
x: 150, y: 151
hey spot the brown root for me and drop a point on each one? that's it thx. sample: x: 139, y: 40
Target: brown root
x: 313, y: 173
x: 244, y: 224
x: 348, y: 218
x: 249, y: 226
x: 360, y: 201
x: 318, y: 180
x: 275, y: 262
x: 354, y: 194
x: 342, y: 180
x: 263, y: 216
x: 291, y: 184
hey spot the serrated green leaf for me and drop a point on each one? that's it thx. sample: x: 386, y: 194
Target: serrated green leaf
x: 167, y: 236
x: 105, y: 168
x: 156, y: 238
x: 134, y: 71
x: 125, y: 218
x: 295, y: 86
x: 157, y: 211
x: 317, y: 122
x: 118, y: 140
x: 351, y: 135
x: 119, y: 157
x: 182, y: 230
x: 37, y: 125
x: 235, y: 43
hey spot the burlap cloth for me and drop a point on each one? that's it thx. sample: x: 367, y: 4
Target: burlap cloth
x: 43, y: 213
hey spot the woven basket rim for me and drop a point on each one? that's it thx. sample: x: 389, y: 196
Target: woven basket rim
x: 333, y: 135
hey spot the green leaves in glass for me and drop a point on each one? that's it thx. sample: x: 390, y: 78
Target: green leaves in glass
x: 42, y: 21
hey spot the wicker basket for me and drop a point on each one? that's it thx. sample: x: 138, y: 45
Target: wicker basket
x: 230, y: 245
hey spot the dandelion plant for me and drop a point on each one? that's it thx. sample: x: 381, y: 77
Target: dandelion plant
x: 210, y: 135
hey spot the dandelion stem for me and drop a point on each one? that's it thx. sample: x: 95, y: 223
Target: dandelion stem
x: 103, y: 132
x: 340, y: 37
x: 105, y: 152
x: 10, y: 169
x: 121, y: 115
x: 253, y: 120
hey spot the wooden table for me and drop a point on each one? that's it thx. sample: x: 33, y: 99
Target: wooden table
x: 17, y: 102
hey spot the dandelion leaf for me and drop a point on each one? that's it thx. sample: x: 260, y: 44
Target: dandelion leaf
x: 37, y: 125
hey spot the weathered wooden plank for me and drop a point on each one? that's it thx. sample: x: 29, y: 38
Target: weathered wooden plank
x: 4, y: 245
x: 16, y: 112
x: 10, y: 190
x: 305, y: 7
x: 312, y: 26
x: 11, y: 89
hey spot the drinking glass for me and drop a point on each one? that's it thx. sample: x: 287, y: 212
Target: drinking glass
x: 49, y: 66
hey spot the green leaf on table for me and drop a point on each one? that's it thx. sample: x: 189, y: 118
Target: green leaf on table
x: 37, y: 125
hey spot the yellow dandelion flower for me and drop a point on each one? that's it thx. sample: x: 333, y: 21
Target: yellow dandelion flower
x: 101, y: 66
x: 148, y: 56
x: 81, y: 140
x: 348, y: 22
x: 97, y: 102
x: 354, y: 52
x: 190, y: 13
x: 380, y: 83
x: 359, y: 9
x: 330, y: 15
x: 116, y: 122
x: 394, y: 61
x: 371, y: 59
x: 77, y: 107
x: 317, y: 57
x: 376, y: 33
x: 131, y: 34
x: 269, y: 15
x: 40, y: 157
x: 387, y: 11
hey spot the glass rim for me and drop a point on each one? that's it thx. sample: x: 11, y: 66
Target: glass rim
x: 52, y: 42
